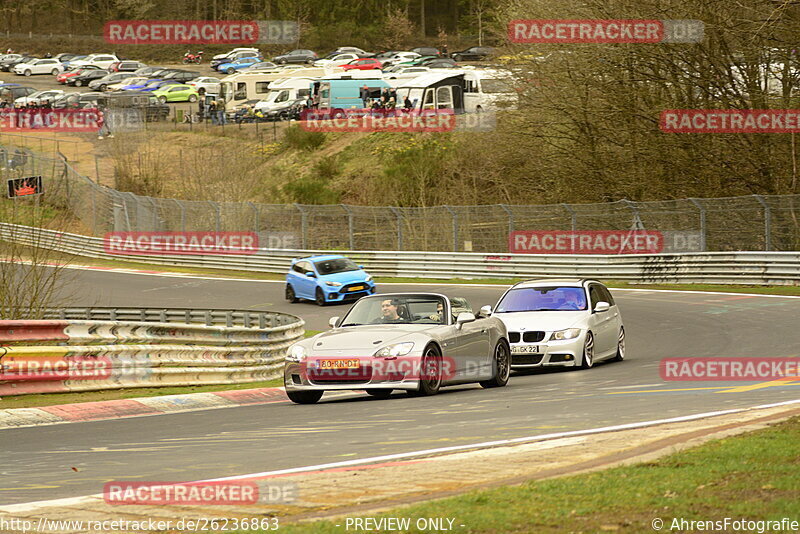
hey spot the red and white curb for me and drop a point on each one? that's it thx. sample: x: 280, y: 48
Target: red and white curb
x: 144, y: 406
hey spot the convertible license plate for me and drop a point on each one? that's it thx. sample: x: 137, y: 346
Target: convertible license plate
x: 526, y: 349
x: 356, y: 288
x: 339, y: 364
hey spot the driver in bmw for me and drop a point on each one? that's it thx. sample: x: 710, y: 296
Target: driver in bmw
x: 389, y: 312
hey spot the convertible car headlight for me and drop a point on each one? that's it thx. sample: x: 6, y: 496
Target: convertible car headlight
x: 569, y: 333
x: 297, y: 353
x: 393, y: 351
x: 333, y: 284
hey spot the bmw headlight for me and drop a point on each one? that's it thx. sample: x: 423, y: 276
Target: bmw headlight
x: 297, y: 353
x: 393, y: 351
x: 333, y: 284
x: 569, y: 333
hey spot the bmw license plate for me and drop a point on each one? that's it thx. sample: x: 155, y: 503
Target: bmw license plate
x: 338, y: 364
x: 356, y: 288
x: 525, y: 349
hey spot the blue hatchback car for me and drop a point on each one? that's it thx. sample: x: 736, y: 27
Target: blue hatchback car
x: 327, y: 278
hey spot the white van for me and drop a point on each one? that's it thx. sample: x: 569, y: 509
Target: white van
x: 285, y: 90
x: 488, y: 90
x: 238, y: 88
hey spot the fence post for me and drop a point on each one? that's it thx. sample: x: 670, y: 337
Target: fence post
x: 573, y: 216
x: 183, y: 214
x: 256, y: 222
x: 156, y: 222
x: 217, y: 214
x: 767, y: 222
x: 702, y: 210
x: 399, y: 216
x: 510, y: 218
x: 303, y: 223
x: 349, y: 226
x: 455, y: 227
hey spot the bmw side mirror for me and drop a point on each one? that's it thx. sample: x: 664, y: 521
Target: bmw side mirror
x: 311, y: 274
x: 332, y: 321
x: 602, y: 307
x: 485, y: 311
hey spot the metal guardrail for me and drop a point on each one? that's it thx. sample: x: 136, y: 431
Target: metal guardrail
x: 79, y: 354
x: 779, y: 268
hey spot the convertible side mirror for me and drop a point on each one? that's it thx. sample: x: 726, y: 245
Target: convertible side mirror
x: 485, y: 311
x: 602, y: 307
x: 464, y: 317
x: 332, y: 321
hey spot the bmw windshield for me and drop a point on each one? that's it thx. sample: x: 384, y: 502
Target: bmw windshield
x: 528, y: 299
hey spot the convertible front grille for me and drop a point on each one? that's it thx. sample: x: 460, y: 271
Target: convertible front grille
x: 340, y: 376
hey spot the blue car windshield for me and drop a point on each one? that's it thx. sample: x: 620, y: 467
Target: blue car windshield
x: 543, y: 299
x: 338, y: 265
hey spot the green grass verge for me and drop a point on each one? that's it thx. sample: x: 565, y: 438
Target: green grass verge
x: 755, y: 476
x: 51, y: 399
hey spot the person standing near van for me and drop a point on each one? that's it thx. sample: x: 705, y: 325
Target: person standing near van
x: 364, y: 95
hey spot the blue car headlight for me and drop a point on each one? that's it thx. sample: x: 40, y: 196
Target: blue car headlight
x: 333, y: 284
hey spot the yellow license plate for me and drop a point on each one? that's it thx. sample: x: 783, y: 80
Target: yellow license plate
x: 339, y: 364
x: 356, y: 288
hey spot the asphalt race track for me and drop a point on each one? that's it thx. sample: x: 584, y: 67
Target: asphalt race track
x: 37, y: 462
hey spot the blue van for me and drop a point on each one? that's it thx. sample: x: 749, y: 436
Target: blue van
x: 345, y: 94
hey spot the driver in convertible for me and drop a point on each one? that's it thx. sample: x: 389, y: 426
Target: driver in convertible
x: 389, y: 312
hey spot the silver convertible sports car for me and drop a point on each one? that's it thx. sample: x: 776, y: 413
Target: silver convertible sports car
x: 418, y: 342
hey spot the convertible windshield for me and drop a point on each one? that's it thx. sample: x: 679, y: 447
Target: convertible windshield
x: 338, y: 265
x: 543, y: 299
x: 403, y: 309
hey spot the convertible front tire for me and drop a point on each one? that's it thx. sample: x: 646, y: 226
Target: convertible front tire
x: 304, y: 397
x: 430, y: 379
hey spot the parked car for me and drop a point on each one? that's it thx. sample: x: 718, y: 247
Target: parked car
x: 441, y: 63
x: 146, y: 71
x: 399, y: 57
x: 427, y: 51
x: 289, y: 110
x: 73, y: 72
x: 553, y: 322
x: 10, y: 92
x: 337, y: 60
x: 101, y: 84
x: 103, y: 61
x: 475, y: 53
x: 159, y: 73
x: 182, y: 76
x: 400, y: 73
x: 238, y: 64
x: 153, y: 85
x: 363, y: 64
x: 176, y: 93
x: 39, y: 97
x: 301, y: 55
x: 261, y: 65
x: 65, y: 56
x: 205, y: 84
x: 406, y: 341
x: 86, y: 76
x: 149, y: 106
x: 77, y: 101
x: 7, y: 65
x: 126, y: 83
x: 235, y: 54
x: 349, y: 49
x: 126, y: 66
x: 327, y: 278
x: 38, y: 66
x: 70, y: 63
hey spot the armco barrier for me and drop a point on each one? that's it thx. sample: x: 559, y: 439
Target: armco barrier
x: 778, y: 268
x: 75, y: 354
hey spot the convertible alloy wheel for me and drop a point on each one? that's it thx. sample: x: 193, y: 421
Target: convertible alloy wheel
x: 620, y: 345
x: 588, y: 352
x: 501, y: 365
x: 304, y: 397
x: 430, y: 379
